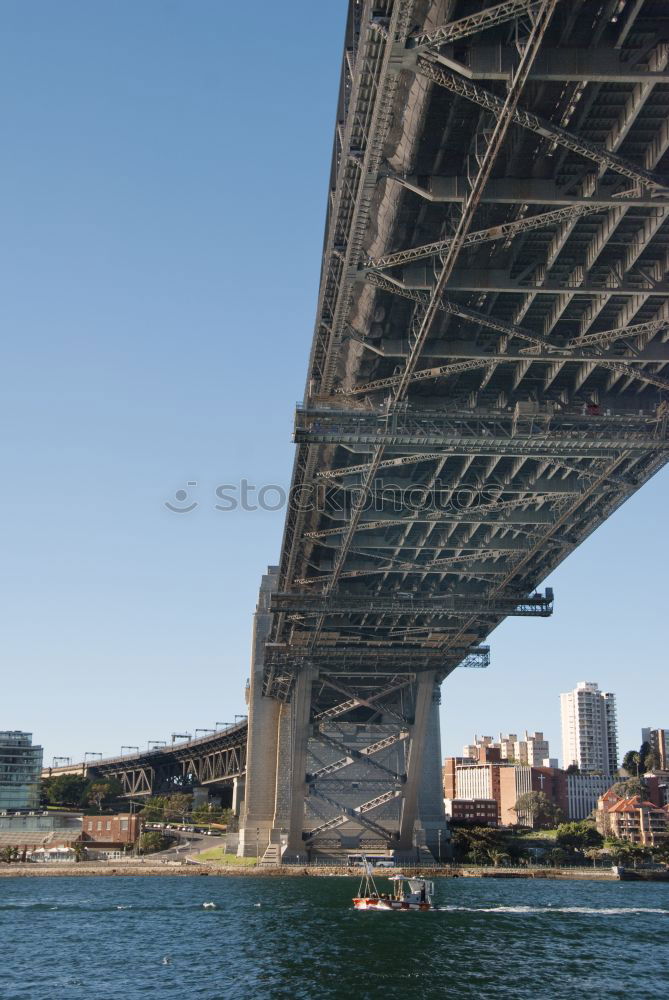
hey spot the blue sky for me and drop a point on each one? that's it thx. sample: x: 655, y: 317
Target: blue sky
x: 162, y: 204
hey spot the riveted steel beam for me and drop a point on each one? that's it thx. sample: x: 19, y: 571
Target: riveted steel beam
x: 561, y: 136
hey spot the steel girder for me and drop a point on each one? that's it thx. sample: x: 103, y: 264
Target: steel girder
x: 561, y: 136
x: 595, y: 437
x: 452, y: 188
x: 538, y: 605
x: 471, y: 25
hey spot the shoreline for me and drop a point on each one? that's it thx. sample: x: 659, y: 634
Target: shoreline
x: 199, y: 870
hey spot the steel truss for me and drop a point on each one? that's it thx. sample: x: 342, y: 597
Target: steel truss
x: 561, y: 136
x: 502, y: 231
x: 467, y: 26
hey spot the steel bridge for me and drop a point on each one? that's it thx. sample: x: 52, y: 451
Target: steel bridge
x: 487, y: 383
x: 216, y: 761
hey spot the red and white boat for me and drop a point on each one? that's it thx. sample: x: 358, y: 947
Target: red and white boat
x: 407, y: 893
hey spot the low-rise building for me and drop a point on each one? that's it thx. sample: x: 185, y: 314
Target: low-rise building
x: 634, y: 819
x: 45, y: 831
x: 477, y: 812
x: 117, y: 832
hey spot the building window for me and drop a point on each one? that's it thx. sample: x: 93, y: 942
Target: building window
x: 99, y: 824
x: 109, y: 824
x: 124, y: 824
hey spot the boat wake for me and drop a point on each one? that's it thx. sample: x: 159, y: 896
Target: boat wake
x: 602, y: 911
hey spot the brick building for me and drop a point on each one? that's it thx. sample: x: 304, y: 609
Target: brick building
x: 111, y: 832
x: 477, y: 812
x: 490, y: 778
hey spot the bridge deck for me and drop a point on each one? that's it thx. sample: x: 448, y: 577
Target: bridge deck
x: 529, y: 259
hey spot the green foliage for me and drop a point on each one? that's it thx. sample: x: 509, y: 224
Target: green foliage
x: 573, y: 769
x: 210, y: 813
x: 624, y: 852
x: 8, y: 854
x: 539, y: 809
x: 497, y: 856
x: 661, y: 852
x: 557, y: 856
x: 473, y: 843
x: 631, y: 762
x: 76, y: 791
x: 631, y: 786
x: 578, y: 836
x: 65, y: 790
x: 152, y: 841
x: 162, y: 808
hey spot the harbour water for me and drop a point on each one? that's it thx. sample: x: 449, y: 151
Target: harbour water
x: 107, y: 938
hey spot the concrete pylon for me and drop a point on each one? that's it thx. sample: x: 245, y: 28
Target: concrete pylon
x: 257, y: 813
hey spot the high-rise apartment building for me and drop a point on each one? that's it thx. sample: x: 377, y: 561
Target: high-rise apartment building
x: 589, y: 728
x: 20, y: 771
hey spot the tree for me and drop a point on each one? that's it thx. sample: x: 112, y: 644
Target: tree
x: 497, y: 856
x: 210, y: 813
x: 573, y: 769
x: 472, y: 843
x: 65, y: 790
x: 98, y: 792
x: 631, y: 786
x: 152, y: 841
x: 539, y: 809
x: 557, y: 856
x: 578, y: 836
x: 631, y: 762
x: 177, y: 805
x: 624, y: 851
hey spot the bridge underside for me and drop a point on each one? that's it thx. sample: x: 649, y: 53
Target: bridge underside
x: 487, y: 383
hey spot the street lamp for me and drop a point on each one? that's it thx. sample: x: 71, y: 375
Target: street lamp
x: 257, y: 850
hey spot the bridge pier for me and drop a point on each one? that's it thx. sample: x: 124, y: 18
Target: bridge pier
x: 338, y: 768
x: 257, y: 814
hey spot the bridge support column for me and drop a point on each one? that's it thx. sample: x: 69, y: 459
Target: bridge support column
x: 293, y: 779
x: 263, y: 729
x: 431, y: 794
x: 238, y: 788
x: 412, y: 788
